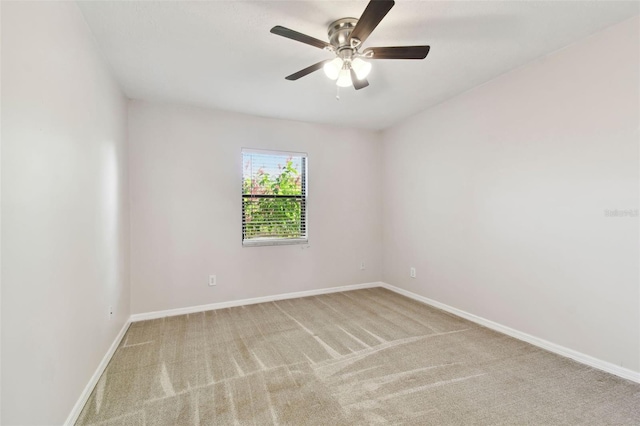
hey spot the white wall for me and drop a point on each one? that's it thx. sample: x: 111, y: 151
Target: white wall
x: 498, y: 198
x: 186, y: 213
x: 64, y: 210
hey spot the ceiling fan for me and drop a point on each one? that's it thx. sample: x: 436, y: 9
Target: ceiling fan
x: 346, y: 37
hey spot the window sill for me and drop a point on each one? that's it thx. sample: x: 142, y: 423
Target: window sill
x: 261, y: 242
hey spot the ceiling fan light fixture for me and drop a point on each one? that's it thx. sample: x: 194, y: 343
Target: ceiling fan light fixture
x: 332, y: 68
x: 344, y: 79
x: 362, y: 68
x: 346, y: 39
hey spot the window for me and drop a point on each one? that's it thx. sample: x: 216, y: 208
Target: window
x: 274, y: 198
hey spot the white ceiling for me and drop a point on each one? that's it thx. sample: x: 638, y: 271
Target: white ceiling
x: 220, y: 54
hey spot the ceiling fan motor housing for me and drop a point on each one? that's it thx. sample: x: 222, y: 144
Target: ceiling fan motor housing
x: 339, y: 32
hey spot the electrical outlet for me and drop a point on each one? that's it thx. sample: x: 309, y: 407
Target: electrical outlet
x: 110, y: 312
x: 362, y: 265
x: 212, y: 280
x: 412, y: 272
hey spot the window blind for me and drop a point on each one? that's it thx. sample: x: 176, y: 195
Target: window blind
x: 274, y: 197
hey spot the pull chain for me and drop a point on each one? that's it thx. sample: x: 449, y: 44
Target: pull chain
x: 337, y: 92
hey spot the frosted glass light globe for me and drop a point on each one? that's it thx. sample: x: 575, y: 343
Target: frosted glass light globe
x: 362, y: 68
x: 332, y: 68
x: 344, y: 79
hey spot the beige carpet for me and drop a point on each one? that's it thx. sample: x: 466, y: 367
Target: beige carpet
x: 359, y: 357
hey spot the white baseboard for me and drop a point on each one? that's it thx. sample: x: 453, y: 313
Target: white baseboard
x: 551, y: 347
x: 242, y: 302
x: 84, y: 397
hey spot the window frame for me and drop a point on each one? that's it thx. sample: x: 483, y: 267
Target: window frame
x: 304, y: 201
